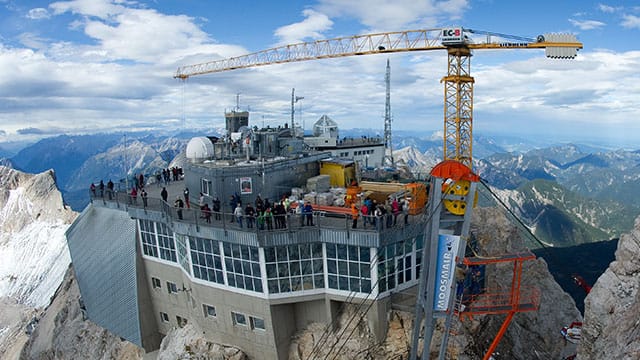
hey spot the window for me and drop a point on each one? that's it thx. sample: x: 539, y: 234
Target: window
x: 148, y: 237
x: 206, y: 259
x: 349, y: 267
x: 209, y: 311
x: 165, y: 243
x: 183, y: 254
x: 238, y: 318
x: 294, y: 267
x: 172, y: 288
x: 182, y: 322
x: 156, y: 283
x: 395, y: 264
x: 256, y: 323
x: 164, y: 317
x: 205, y: 186
x: 243, y: 266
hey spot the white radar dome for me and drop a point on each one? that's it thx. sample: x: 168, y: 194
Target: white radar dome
x: 199, y: 149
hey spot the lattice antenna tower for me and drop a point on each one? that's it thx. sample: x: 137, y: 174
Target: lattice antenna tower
x: 388, y: 148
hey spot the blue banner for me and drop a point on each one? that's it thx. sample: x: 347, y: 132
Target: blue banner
x: 445, y: 269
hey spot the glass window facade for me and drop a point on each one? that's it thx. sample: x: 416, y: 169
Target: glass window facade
x: 206, y: 259
x: 294, y: 268
x: 165, y: 243
x: 148, y: 235
x: 183, y: 254
x: 243, y: 266
x: 349, y: 267
x: 395, y: 265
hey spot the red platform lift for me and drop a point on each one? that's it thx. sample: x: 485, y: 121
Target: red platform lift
x: 498, y: 301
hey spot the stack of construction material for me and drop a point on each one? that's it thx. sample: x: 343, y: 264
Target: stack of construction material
x: 325, y: 199
x: 320, y: 183
x: 297, y: 192
x: 310, y: 197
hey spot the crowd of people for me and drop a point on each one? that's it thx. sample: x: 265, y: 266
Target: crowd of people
x: 262, y: 213
x: 380, y: 216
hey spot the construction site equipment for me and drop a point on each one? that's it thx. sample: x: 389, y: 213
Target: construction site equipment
x: 341, y: 172
x: 449, y: 211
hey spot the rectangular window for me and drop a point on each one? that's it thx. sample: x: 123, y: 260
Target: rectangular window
x: 148, y: 237
x: 243, y: 267
x: 349, y: 268
x: 164, y: 317
x: 165, y: 243
x: 292, y: 268
x: 206, y: 259
x: 256, y: 323
x: 172, y: 288
x: 209, y: 311
x: 238, y: 318
x: 205, y: 187
x: 156, y: 283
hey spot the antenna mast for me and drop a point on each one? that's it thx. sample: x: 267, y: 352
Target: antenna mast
x: 388, y: 149
x: 294, y: 99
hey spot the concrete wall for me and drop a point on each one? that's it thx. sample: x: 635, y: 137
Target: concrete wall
x: 271, y: 181
x: 309, y: 312
x: 284, y: 326
x: 187, y: 303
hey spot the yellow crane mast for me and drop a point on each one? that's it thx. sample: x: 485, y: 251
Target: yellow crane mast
x: 458, y: 83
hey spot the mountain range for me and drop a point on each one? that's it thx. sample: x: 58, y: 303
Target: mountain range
x: 565, y: 194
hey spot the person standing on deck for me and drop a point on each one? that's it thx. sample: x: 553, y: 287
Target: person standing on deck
x: 186, y: 198
x: 354, y: 215
x: 179, y: 204
x: 143, y: 195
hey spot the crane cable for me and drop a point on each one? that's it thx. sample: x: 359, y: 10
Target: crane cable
x: 543, y: 245
x: 515, y: 217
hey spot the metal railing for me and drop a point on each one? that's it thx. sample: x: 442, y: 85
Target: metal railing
x: 281, y: 222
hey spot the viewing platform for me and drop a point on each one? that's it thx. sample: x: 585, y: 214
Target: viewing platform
x: 369, y: 231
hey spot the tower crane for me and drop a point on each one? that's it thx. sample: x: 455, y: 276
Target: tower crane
x: 458, y: 83
x: 453, y: 184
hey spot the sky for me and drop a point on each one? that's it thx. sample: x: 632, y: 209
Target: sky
x: 89, y: 66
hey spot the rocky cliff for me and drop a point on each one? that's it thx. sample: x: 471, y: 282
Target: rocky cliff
x: 611, y: 328
x: 33, y: 250
x: 63, y: 333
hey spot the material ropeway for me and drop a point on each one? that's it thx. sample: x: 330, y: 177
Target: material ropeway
x: 453, y: 189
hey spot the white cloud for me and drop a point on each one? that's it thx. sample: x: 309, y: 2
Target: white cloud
x: 383, y: 15
x: 311, y: 27
x: 102, y: 9
x: 608, y: 8
x: 121, y: 79
x: 38, y: 14
x: 630, y: 21
x: 587, y: 24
